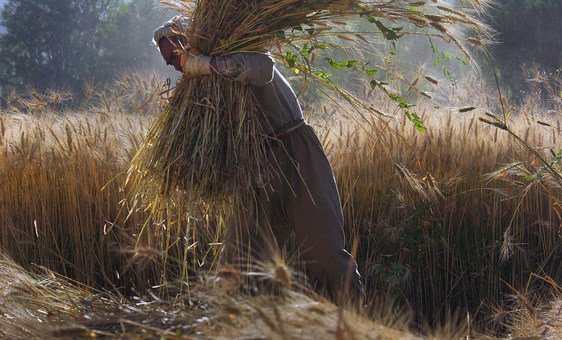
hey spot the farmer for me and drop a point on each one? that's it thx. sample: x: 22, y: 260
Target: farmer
x: 303, y: 198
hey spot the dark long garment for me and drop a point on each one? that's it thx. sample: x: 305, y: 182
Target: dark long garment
x: 302, y: 197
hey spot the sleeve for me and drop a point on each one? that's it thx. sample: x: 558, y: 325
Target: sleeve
x: 252, y: 68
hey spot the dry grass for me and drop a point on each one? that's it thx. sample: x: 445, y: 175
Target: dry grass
x: 456, y: 217
x: 543, y: 321
x: 63, y: 196
x: 48, y: 305
x: 445, y: 218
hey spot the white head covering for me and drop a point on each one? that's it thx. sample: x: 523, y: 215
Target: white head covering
x: 175, y: 26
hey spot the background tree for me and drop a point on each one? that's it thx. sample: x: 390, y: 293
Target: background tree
x: 126, y: 38
x: 530, y: 39
x: 54, y: 43
x: 51, y: 42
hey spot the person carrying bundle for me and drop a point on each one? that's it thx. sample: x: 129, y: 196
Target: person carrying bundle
x: 302, y: 198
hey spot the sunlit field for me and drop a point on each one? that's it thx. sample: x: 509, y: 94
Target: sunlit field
x: 458, y: 228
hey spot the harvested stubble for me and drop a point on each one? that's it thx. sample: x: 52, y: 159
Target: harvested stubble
x: 209, y: 140
x: 49, y: 306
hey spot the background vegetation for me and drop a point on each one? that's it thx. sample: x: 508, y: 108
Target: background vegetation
x: 529, y: 41
x: 65, y: 43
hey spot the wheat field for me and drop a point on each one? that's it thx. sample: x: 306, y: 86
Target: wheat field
x: 461, y: 222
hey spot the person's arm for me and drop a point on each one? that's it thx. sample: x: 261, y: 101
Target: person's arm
x: 248, y: 67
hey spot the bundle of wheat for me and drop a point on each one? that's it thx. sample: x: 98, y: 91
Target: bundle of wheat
x: 209, y: 140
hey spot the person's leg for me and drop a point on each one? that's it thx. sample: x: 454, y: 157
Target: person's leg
x: 317, y: 216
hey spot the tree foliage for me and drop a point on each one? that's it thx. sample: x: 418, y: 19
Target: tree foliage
x: 126, y: 38
x: 65, y: 43
x: 530, y: 39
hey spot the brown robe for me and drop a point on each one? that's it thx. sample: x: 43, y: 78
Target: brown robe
x: 302, y: 198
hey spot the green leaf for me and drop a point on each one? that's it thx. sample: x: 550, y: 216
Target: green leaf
x: 334, y: 64
x: 306, y: 50
x: 291, y: 59
x: 402, y: 104
x: 393, y: 49
x: 414, y: 118
x: 323, y: 75
x: 350, y: 63
x: 389, y: 33
x: 371, y: 72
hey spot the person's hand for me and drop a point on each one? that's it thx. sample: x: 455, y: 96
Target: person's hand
x: 185, y: 54
x: 194, y: 63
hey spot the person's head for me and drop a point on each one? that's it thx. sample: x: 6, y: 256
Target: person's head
x: 170, y: 40
x: 170, y: 51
